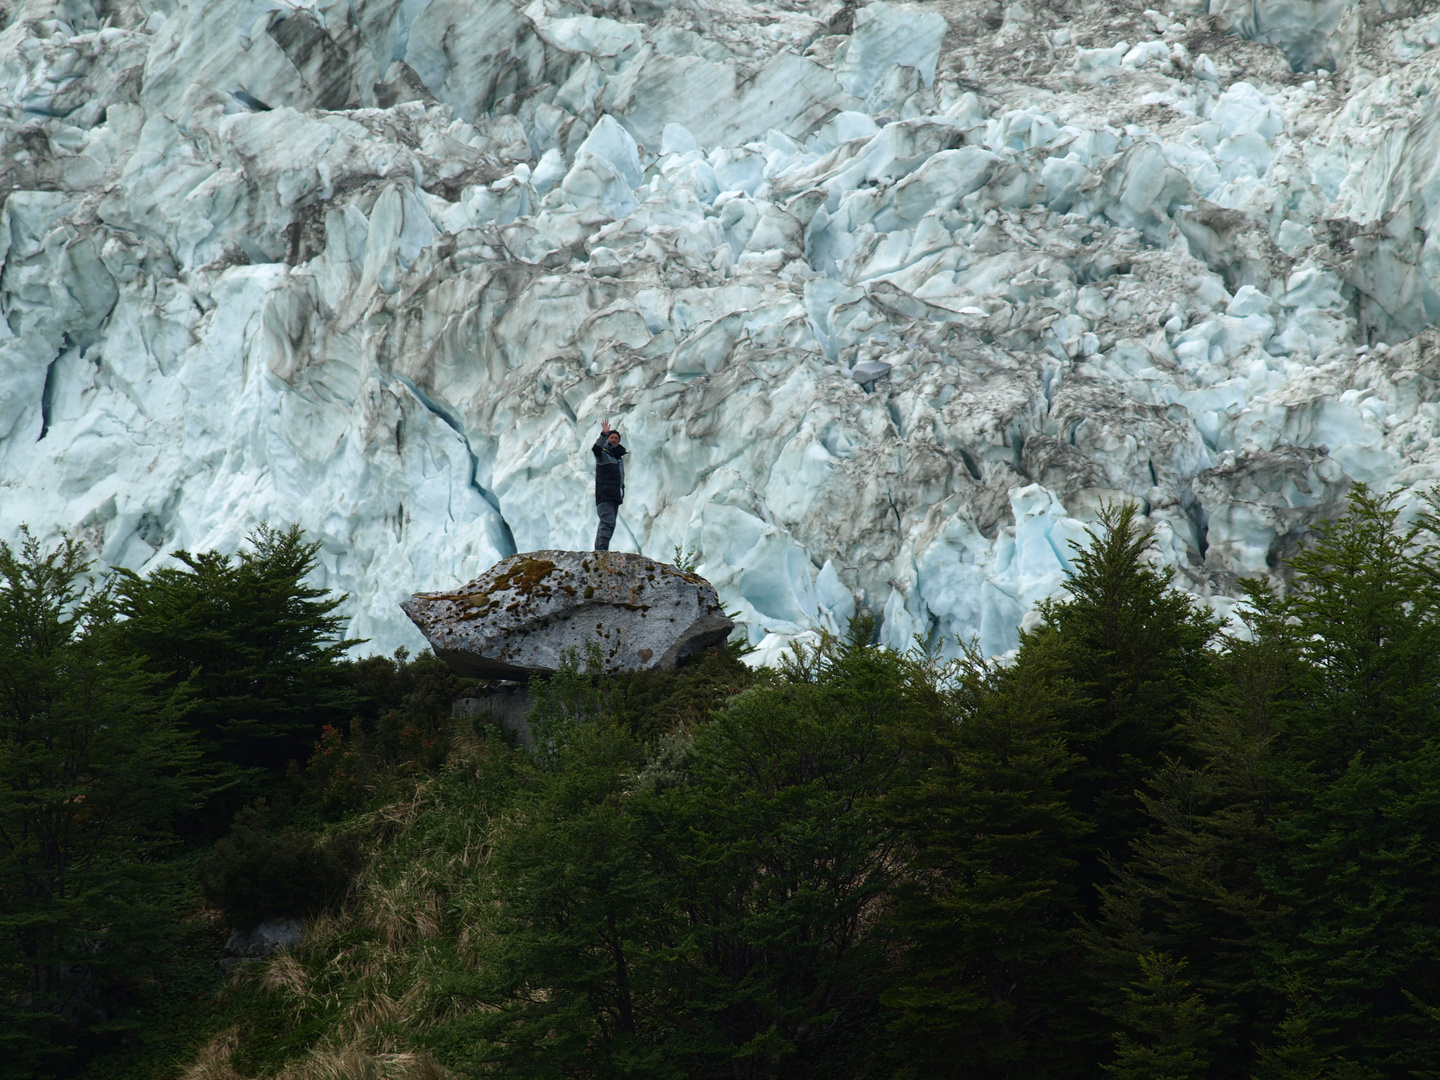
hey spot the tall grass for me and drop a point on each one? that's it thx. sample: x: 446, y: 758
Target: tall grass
x: 374, y: 982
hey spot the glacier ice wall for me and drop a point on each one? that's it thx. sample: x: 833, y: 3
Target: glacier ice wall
x: 887, y: 299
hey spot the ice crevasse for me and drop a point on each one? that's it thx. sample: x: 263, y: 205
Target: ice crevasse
x: 887, y: 299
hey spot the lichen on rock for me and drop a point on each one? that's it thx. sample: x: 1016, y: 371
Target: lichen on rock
x: 524, y: 614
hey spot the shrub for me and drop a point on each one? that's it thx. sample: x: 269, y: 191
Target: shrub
x: 403, y: 712
x: 258, y: 872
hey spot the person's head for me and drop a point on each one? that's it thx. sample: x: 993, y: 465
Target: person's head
x: 614, y: 438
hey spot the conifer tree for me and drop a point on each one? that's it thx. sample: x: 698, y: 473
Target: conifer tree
x: 253, y: 649
x: 581, y: 927
x: 781, y: 865
x: 708, y: 905
x: 1194, y: 882
x: 1292, y: 1054
x: 1138, y: 654
x: 1168, y: 1029
x: 1358, y: 770
x: 94, y: 770
x: 985, y: 907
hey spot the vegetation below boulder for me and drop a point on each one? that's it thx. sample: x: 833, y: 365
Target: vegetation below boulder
x: 1144, y: 848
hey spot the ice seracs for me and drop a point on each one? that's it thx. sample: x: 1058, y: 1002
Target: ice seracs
x: 888, y: 298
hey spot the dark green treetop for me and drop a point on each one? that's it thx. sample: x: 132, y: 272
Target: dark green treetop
x: 1357, y: 771
x: 254, y: 650
x: 1137, y: 652
x: 94, y: 770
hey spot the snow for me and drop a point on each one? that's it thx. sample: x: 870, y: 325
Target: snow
x: 887, y: 309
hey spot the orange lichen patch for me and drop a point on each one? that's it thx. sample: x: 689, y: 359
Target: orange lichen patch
x: 523, y: 575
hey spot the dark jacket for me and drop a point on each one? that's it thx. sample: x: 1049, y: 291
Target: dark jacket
x: 609, y: 471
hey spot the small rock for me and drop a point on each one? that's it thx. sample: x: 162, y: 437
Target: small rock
x: 867, y: 371
x: 267, y: 939
x: 508, y: 706
x: 522, y: 616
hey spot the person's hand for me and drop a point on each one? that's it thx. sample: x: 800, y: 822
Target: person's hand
x: 605, y: 427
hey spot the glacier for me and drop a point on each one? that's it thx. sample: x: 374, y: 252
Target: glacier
x: 888, y: 299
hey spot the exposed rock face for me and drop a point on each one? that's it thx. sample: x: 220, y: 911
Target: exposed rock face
x: 380, y: 267
x: 522, y: 616
x: 255, y: 944
x: 267, y: 939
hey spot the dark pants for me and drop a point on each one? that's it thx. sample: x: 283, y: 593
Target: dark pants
x: 606, y: 510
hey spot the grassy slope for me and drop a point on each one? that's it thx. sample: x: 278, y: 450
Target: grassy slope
x: 382, y: 989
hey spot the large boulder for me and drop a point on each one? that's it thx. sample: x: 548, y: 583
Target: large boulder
x: 521, y: 616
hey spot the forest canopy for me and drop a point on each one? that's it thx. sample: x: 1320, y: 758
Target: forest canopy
x: 1143, y: 847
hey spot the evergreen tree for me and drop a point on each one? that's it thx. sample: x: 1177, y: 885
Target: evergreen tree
x: 1138, y: 654
x: 253, y: 649
x: 1293, y: 1054
x: 93, y: 771
x: 780, y: 866
x: 579, y: 952
x: 1168, y: 1029
x: 707, y: 905
x: 1358, y: 769
x: 1194, y: 881
x: 985, y: 909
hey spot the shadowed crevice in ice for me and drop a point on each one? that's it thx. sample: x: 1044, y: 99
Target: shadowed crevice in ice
x: 454, y: 424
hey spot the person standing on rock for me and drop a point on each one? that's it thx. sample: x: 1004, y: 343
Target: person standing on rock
x: 609, y: 482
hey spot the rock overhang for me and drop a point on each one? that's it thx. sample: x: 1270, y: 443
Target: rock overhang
x: 527, y: 612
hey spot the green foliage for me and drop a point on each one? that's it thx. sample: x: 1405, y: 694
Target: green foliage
x: 652, y: 704
x: 403, y: 711
x: 647, y: 704
x: 780, y: 864
x: 708, y: 908
x: 1294, y: 1055
x: 580, y: 916
x: 1364, y: 615
x: 385, y: 985
x: 985, y: 908
x: 1195, y: 880
x: 1358, y: 769
x: 254, y: 651
x: 260, y: 872
x: 94, y: 770
x: 1168, y: 1027
x: 1135, y: 657
x: 578, y: 694
x: 401, y: 727
x: 1137, y: 652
